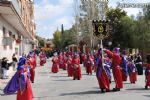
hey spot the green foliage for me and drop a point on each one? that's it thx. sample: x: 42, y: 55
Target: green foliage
x: 63, y: 40
x: 41, y: 43
x: 117, y: 18
x: 127, y: 31
x: 69, y: 37
x: 57, y: 39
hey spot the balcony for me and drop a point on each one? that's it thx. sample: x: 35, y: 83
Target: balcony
x: 9, y: 12
x: 15, y: 3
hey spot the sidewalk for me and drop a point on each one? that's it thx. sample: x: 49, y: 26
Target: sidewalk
x: 3, y: 82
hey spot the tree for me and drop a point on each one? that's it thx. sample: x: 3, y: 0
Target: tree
x: 57, y: 39
x: 69, y: 37
x: 41, y: 41
x: 88, y: 11
x: 115, y: 16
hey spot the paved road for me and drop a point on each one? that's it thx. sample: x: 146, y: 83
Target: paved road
x: 49, y: 86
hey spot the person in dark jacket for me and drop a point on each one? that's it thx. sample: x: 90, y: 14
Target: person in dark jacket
x: 5, y: 66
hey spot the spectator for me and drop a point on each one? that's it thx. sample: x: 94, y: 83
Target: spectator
x: 5, y: 66
x: 138, y: 62
x: 14, y: 59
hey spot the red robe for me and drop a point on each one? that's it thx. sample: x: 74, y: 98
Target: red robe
x: 55, y: 66
x: 132, y: 73
x: 35, y: 56
x: 27, y: 94
x: 147, y: 75
x: 133, y: 77
x: 42, y: 59
x: 102, y: 77
x: 69, y: 67
x: 116, y: 61
x: 77, y: 69
x: 84, y: 57
x: 64, y: 65
x: 60, y: 61
x: 32, y: 70
x: 89, y: 65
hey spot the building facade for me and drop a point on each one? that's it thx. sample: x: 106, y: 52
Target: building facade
x: 17, y: 27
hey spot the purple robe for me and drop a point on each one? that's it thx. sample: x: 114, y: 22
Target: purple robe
x: 18, y: 81
x: 12, y: 86
x: 107, y: 65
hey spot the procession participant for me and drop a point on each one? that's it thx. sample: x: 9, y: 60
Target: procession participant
x: 20, y: 83
x: 84, y: 57
x: 69, y: 66
x: 64, y: 65
x: 132, y: 71
x: 5, y: 67
x: 138, y: 64
x: 124, y: 68
x: 89, y: 64
x: 76, y: 66
x: 32, y: 61
x: 116, y: 61
x: 94, y: 66
x: 60, y: 57
x: 101, y: 73
x: 34, y: 56
x: 42, y: 58
x: 55, y: 65
x: 147, y: 73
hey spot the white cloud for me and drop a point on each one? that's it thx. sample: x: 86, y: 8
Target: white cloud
x: 55, y: 14
x: 48, y: 30
x: 48, y: 11
x: 67, y: 21
x: 45, y: 10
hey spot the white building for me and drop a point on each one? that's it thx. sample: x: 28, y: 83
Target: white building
x: 17, y: 27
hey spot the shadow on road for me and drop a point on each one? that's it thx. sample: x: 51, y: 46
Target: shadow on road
x: 146, y: 95
x: 81, y: 93
x: 136, y: 89
x: 2, y: 94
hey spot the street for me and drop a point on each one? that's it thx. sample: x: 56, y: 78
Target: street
x: 49, y: 86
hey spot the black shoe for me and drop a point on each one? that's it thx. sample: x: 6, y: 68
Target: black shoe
x: 102, y: 91
x: 32, y: 81
x: 115, y: 89
x: 146, y: 87
x: 73, y: 78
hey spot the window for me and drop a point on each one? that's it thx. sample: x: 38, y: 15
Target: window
x: 4, y: 31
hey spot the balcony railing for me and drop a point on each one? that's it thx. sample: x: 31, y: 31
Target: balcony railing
x: 15, y: 3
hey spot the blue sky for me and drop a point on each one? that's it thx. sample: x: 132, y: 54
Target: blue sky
x: 50, y: 14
